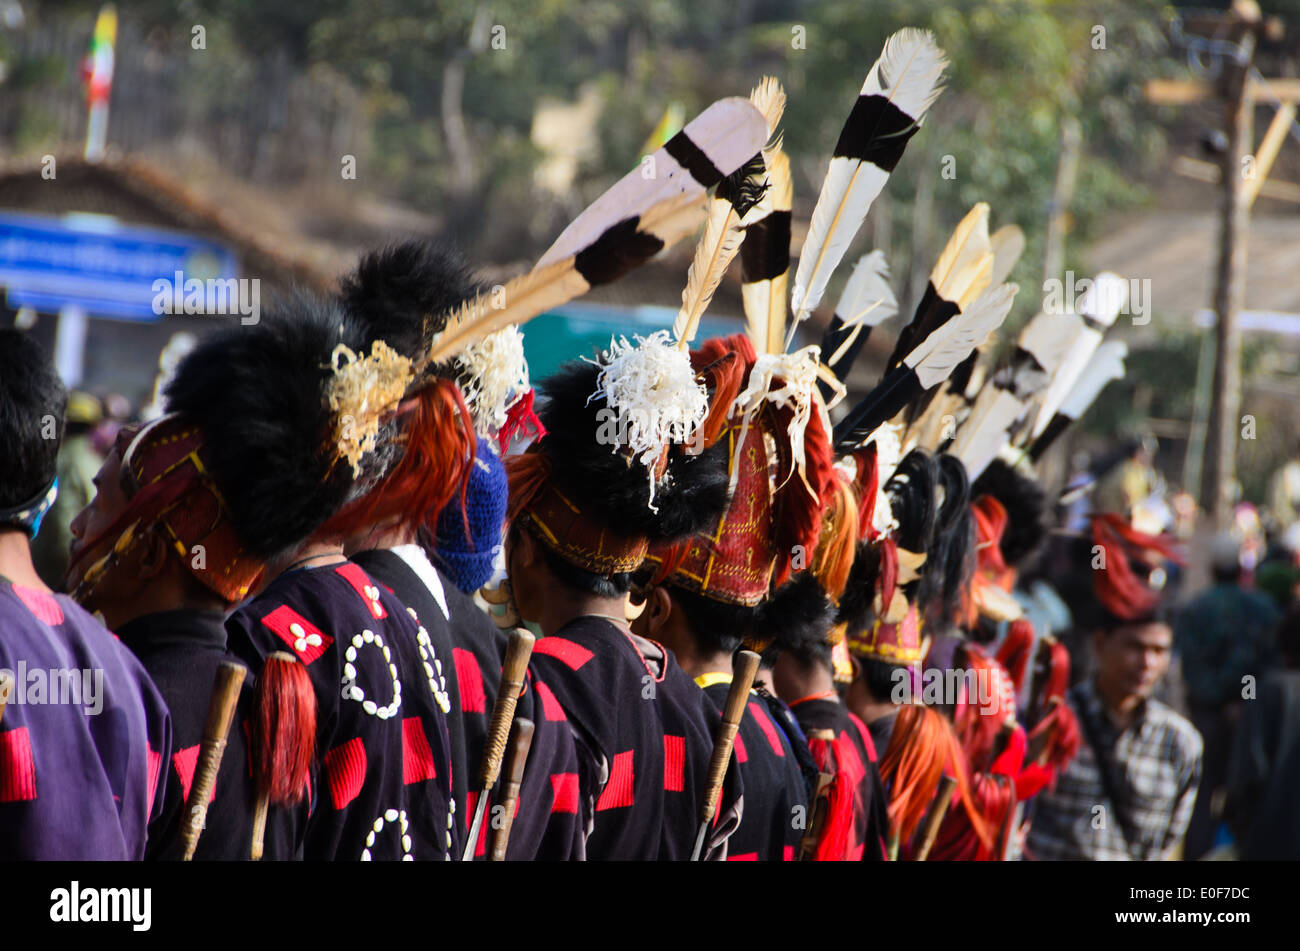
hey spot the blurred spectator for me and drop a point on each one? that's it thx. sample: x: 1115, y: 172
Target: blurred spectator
x: 117, y: 413
x: 1128, y: 795
x: 1284, y: 492
x: 1264, y: 772
x: 1132, y: 483
x: 78, y: 464
x: 1223, y: 635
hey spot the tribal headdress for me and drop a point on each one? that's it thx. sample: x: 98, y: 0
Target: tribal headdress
x: 248, y: 462
x: 769, y: 530
x: 1127, y: 570
x: 617, y: 468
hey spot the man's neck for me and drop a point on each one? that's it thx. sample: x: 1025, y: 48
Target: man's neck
x: 382, y: 538
x: 809, y: 681
x: 16, y: 560
x: 563, y: 606
x: 694, y: 660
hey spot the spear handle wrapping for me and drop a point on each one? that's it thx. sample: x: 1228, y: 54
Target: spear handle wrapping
x: 744, y: 669
x: 513, y: 670
x: 521, y: 740
x: 221, y: 712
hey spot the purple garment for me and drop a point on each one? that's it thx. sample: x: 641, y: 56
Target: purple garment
x: 381, y: 780
x: 80, y: 769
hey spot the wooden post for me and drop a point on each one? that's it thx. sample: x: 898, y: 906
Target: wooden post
x: 1229, y: 294
x: 1067, y: 164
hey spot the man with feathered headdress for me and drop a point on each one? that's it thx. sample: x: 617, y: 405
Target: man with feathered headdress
x: 381, y: 774
x: 190, y: 511
x: 613, y: 474
x: 390, y: 530
x: 742, y: 581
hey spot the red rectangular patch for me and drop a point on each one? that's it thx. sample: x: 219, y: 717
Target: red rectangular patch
x: 345, y: 771
x: 744, y: 857
x: 417, y: 758
x: 738, y: 749
x: 186, y: 761
x: 305, y: 639
x: 365, y: 588
x: 564, y: 793
x: 153, y: 764
x: 480, y: 848
x: 618, y: 791
x: 787, y: 853
x: 768, y: 727
x: 469, y: 677
x: 574, y: 655
x: 551, y: 708
x: 674, y: 763
x: 17, y: 767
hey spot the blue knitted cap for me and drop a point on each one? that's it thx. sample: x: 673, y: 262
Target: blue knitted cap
x: 469, y: 561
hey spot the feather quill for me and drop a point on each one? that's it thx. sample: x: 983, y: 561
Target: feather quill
x: 866, y: 302
x: 1106, y: 364
x: 963, y: 271
x: 1098, y: 309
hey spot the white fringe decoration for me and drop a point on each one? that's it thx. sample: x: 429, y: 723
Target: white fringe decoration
x: 650, y: 387
x: 798, y: 371
x: 494, y: 377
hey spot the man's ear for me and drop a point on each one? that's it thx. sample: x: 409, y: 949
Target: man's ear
x: 658, y: 609
x: 153, y: 554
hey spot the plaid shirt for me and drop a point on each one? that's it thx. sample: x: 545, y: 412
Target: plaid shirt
x: 1156, y: 762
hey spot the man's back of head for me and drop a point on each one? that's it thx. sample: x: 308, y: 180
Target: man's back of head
x: 32, y: 403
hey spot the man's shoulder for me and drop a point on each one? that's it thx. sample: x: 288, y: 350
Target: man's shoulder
x: 1185, y: 737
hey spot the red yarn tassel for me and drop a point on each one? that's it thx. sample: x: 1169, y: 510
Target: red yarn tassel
x: 283, y: 729
x: 1016, y: 650
x: 520, y: 419
x: 836, y: 840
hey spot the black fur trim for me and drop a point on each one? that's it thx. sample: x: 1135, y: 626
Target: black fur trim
x: 1026, y: 506
x: 860, y: 591
x: 257, y: 393
x: 797, y: 615
x: 394, y: 289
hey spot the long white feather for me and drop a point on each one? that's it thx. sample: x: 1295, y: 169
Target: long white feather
x: 938, y: 355
x: 729, y: 132
x: 909, y: 72
x: 1107, y: 364
x: 867, y: 299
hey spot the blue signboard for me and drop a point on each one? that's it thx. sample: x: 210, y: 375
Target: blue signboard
x: 100, y: 266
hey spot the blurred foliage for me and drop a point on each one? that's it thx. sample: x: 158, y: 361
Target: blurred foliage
x: 1018, y: 68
